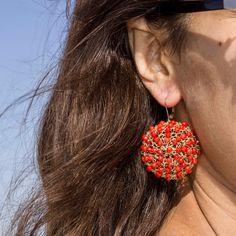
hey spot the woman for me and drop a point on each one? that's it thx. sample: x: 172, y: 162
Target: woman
x: 124, y: 62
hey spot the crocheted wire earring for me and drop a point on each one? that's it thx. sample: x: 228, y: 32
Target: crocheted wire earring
x: 170, y: 149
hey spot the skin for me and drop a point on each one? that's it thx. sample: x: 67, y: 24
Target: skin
x: 202, y: 87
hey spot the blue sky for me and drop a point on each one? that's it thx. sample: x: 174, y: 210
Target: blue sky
x: 30, y: 34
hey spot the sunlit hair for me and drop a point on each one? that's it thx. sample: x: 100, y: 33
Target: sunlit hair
x: 93, y: 181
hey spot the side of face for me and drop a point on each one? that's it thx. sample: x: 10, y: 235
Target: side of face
x: 204, y: 80
x: 207, y: 76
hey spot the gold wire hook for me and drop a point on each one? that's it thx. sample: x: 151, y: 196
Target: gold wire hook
x: 172, y: 113
x: 170, y: 116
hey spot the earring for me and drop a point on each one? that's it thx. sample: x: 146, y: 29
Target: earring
x: 170, y: 149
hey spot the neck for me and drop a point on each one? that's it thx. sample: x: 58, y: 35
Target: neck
x: 215, y: 198
x: 207, y: 206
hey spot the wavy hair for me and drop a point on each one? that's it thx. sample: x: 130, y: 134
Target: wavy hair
x: 89, y: 135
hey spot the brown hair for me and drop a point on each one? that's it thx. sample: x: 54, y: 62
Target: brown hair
x: 93, y: 181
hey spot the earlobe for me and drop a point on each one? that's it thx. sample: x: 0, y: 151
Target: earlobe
x: 155, y: 69
x: 165, y: 90
x: 168, y: 94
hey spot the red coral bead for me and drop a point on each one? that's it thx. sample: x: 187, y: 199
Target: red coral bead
x: 178, y: 149
x: 167, y: 177
x: 144, y: 148
x: 169, y: 149
x: 155, y: 150
x: 160, y: 158
x: 188, y: 133
x: 178, y: 138
x: 154, y: 135
x: 174, y: 142
x: 176, y: 157
x: 188, y: 169
x: 156, y: 140
x: 167, y: 140
x: 179, y: 175
x: 159, y: 129
x: 144, y: 137
x: 184, y: 123
x: 184, y: 148
x: 194, y: 151
x: 189, y: 151
x: 158, y: 163
x: 176, y: 129
x: 149, y: 168
x: 158, y: 174
x: 152, y: 128
x: 177, y: 169
x: 154, y: 165
x: 190, y: 158
x: 194, y: 141
x: 169, y: 166
x: 159, y: 143
x: 183, y: 164
x: 160, y: 152
x: 167, y: 170
x: 148, y: 141
x: 189, y: 143
x: 168, y: 135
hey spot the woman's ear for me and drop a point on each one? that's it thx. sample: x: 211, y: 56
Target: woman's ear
x: 154, y: 67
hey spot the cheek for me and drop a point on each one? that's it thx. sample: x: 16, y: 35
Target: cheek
x: 209, y: 91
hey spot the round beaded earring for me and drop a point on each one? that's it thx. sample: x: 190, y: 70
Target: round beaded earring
x: 170, y: 149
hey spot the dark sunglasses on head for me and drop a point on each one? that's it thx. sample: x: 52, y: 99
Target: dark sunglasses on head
x: 183, y: 6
